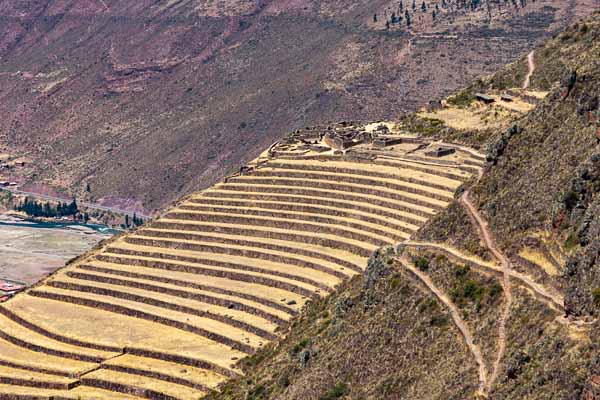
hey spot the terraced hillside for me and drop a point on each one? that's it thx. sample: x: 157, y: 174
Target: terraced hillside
x: 166, y: 312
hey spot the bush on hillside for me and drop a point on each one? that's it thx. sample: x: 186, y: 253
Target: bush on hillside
x: 339, y: 390
x: 422, y: 263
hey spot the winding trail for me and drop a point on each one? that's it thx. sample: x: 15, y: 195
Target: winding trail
x: 553, y: 300
x: 531, y: 64
x: 486, y: 235
x: 458, y: 321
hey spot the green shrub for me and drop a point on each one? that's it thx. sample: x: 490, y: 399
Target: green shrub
x: 395, y: 282
x: 495, y: 290
x: 596, y: 296
x: 439, y: 320
x: 257, y: 393
x: 570, y: 199
x: 300, y: 345
x: 284, y: 381
x: 462, y: 99
x: 572, y: 241
x: 336, y: 392
x: 473, y: 291
x: 422, y: 263
x: 462, y: 271
x: 469, y: 290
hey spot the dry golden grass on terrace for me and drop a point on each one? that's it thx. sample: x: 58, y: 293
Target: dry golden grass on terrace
x: 476, y: 114
x: 538, y: 258
x: 167, y: 311
x: 265, y: 294
x: 78, y: 393
x: 312, y: 248
x: 314, y: 209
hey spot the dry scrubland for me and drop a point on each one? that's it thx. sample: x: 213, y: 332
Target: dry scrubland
x: 167, y: 311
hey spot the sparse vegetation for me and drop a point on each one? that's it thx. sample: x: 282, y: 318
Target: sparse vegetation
x: 462, y: 99
x: 596, y: 296
x: 469, y: 290
x: 339, y: 390
x: 571, y: 242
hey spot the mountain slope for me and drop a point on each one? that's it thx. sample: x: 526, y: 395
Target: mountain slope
x: 146, y: 100
x: 533, y: 317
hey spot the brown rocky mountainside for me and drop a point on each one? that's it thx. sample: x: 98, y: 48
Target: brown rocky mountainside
x: 510, y: 270
x: 147, y: 100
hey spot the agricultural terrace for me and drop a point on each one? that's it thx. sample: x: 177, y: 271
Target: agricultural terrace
x: 167, y: 311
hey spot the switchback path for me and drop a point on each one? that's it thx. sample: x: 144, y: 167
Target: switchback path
x: 456, y: 317
x: 487, y: 238
x: 549, y: 297
x: 531, y: 65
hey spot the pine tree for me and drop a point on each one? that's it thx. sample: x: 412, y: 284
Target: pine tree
x: 374, y: 17
x: 407, y: 16
x: 72, y: 208
x: 424, y: 7
x: 393, y: 17
x: 48, y: 211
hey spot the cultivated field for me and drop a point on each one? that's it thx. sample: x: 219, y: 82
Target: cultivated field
x: 167, y: 311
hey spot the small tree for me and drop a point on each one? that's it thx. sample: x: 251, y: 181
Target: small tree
x: 424, y: 7
x: 422, y: 263
x: 596, y: 296
x: 72, y: 208
x: 374, y: 17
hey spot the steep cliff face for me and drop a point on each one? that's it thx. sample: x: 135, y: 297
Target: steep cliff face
x: 148, y: 100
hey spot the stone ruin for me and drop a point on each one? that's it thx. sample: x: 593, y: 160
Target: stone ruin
x: 440, y: 151
x: 383, y: 141
x: 345, y: 140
